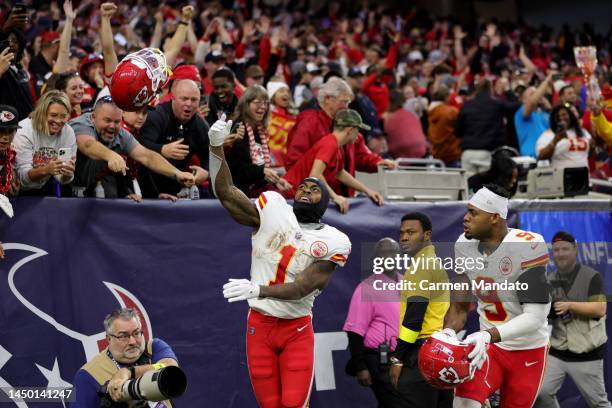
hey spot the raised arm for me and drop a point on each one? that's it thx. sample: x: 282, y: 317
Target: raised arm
x: 235, y: 201
x: 62, y: 64
x: 529, y: 65
x: 176, y: 43
x: 532, y: 103
x: 158, y: 31
x: 458, y: 37
x: 106, y: 38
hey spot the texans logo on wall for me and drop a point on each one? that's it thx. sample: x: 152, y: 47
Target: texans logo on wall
x: 44, y: 369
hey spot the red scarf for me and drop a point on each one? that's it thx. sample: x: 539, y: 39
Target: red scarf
x: 263, y: 135
x: 6, y: 176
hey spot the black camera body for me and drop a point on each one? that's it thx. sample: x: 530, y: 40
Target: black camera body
x: 559, y: 295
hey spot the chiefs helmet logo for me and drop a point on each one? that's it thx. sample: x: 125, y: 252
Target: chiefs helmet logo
x: 449, y: 375
x: 6, y: 116
x: 142, y: 98
x: 505, y: 266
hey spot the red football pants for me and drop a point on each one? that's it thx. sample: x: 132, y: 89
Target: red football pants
x: 517, y: 374
x: 280, y: 354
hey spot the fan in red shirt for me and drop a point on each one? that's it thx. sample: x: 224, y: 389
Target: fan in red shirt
x: 325, y: 160
x: 313, y: 124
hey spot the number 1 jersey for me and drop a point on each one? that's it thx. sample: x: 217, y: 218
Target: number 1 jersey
x: 282, y: 249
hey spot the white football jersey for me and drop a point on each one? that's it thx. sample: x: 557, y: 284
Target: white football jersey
x: 571, y: 151
x: 519, y: 251
x: 282, y: 250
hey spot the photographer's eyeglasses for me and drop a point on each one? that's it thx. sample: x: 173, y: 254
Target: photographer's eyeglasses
x: 124, y: 337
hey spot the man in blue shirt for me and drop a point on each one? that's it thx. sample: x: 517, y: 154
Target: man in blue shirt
x: 127, y: 356
x: 529, y: 120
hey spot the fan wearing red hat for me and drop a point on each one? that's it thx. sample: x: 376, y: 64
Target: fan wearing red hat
x: 41, y: 65
x: 181, y: 72
x: 9, y: 123
x: 92, y: 72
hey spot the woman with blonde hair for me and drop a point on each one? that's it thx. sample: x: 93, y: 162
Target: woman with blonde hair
x: 248, y: 154
x: 46, y: 147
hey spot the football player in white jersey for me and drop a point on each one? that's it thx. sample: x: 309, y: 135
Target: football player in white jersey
x: 508, y: 277
x: 293, y: 258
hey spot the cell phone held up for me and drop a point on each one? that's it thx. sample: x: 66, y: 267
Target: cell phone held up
x: 560, y: 128
x: 64, y: 154
x: 19, y: 8
x: 4, y: 44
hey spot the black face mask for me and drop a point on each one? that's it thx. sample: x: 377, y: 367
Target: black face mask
x: 312, y: 213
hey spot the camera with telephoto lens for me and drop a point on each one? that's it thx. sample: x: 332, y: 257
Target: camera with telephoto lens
x: 166, y: 383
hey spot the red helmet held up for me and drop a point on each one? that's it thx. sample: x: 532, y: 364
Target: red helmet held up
x: 443, y: 361
x: 138, y: 78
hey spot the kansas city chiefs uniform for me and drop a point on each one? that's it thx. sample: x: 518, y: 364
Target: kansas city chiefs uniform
x: 282, y: 249
x: 519, y: 251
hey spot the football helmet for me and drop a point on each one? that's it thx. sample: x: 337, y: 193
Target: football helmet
x: 443, y: 361
x: 138, y: 78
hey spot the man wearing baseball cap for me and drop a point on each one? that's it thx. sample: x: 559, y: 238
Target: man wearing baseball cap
x: 578, y: 337
x: 325, y: 160
x: 41, y: 65
x: 363, y: 104
x: 9, y: 123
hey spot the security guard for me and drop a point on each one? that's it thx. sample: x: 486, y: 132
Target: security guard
x: 421, y: 314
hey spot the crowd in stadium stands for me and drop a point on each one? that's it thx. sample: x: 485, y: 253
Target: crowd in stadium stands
x: 424, y: 86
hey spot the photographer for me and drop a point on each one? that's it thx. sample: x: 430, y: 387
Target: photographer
x: 127, y: 356
x: 578, y: 335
